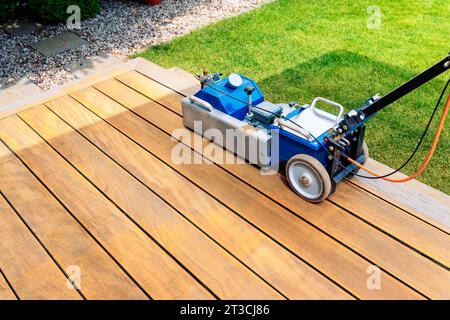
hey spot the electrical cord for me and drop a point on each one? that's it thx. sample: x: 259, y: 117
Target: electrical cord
x: 418, y: 144
x: 376, y: 176
x: 428, y: 158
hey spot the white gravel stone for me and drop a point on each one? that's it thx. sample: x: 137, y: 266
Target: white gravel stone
x: 121, y: 28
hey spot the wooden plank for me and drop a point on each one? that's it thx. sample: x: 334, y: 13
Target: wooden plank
x: 70, y: 245
x: 217, y: 269
x: 30, y: 270
x: 368, y: 241
x: 159, y: 93
x: 427, y: 239
x: 131, y: 247
x: 6, y: 292
x: 340, y: 264
x: 183, y: 74
x: 5, y: 154
x: 272, y: 262
x: 414, y: 197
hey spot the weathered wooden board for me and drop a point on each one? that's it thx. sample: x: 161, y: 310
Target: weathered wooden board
x: 87, y: 179
x: 340, y: 225
x: 6, y: 292
x: 213, y: 218
x: 131, y: 247
x: 99, y: 276
x: 316, y: 247
x: 413, y: 197
x: 217, y: 269
x: 29, y: 268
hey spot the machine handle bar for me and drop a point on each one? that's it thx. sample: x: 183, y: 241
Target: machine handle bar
x: 332, y: 103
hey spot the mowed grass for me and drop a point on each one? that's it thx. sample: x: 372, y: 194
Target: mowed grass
x: 297, y: 50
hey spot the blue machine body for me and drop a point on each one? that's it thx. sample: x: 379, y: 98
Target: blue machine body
x: 219, y: 94
x: 229, y: 96
x: 232, y: 101
x: 336, y: 141
x: 290, y: 144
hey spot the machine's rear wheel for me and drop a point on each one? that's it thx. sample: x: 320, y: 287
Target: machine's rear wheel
x: 308, y: 178
x: 365, y: 151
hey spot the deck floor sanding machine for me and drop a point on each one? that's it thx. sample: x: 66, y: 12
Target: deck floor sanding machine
x: 315, y: 149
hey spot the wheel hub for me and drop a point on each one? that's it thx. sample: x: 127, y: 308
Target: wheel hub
x: 305, y: 179
x: 308, y: 178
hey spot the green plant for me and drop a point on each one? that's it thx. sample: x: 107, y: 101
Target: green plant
x: 54, y: 11
x: 8, y: 8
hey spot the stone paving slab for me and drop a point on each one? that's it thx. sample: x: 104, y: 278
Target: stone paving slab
x: 17, y: 91
x: 93, y: 65
x: 59, y: 43
x: 21, y: 27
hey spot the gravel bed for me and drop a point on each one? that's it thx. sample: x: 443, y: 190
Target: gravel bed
x: 121, y: 28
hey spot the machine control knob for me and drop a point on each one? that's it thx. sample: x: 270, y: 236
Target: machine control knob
x: 234, y: 81
x: 249, y: 89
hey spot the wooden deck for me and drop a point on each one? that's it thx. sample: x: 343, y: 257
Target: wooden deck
x: 87, y: 184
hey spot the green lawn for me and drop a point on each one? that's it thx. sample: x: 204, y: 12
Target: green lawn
x: 297, y: 50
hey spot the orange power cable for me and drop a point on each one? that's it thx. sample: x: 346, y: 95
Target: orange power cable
x: 427, y: 160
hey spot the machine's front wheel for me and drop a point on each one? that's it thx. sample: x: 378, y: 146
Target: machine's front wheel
x: 308, y: 178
